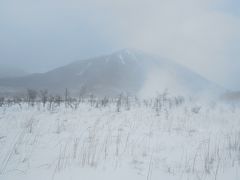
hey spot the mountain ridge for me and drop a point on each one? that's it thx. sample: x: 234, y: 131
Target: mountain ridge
x: 130, y: 71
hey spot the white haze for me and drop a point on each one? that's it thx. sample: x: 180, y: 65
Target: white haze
x: 200, y: 34
x: 158, y: 82
x: 192, y: 32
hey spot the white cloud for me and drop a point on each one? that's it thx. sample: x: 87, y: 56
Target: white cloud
x: 192, y: 32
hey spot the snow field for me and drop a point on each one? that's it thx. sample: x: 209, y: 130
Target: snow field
x: 142, y: 140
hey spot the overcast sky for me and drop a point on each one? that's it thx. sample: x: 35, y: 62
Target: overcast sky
x: 201, y: 34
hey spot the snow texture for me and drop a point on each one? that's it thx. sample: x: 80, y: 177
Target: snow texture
x: 159, y: 138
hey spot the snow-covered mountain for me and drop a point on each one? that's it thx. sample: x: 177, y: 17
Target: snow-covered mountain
x: 126, y: 71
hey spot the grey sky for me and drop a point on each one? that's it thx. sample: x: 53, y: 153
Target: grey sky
x: 202, y: 34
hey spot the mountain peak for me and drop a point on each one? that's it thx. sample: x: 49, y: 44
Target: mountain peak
x: 127, y: 70
x: 127, y: 55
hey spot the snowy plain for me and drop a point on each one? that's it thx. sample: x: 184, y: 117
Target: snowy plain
x: 160, y: 138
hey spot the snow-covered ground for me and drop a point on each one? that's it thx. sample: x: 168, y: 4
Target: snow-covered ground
x: 143, y: 140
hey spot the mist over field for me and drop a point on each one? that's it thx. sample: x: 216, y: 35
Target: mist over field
x: 135, y: 90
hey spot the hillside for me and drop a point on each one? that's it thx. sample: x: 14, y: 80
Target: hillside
x: 125, y: 71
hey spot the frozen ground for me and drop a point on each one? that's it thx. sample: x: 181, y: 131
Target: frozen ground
x: 142, y: 140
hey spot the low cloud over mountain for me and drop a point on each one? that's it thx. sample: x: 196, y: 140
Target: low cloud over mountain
x: 126, y: 71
